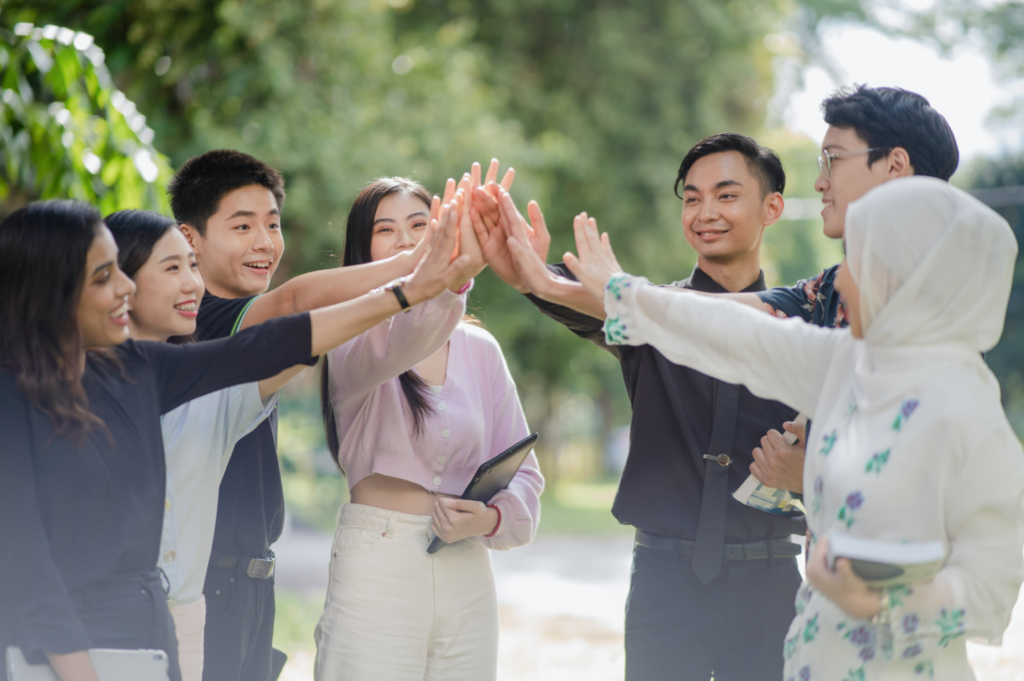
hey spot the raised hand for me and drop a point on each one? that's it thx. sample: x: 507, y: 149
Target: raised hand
x: 435, y: 205
x: 437, y: 271
x: 469, y: 244
x: 596, y: 262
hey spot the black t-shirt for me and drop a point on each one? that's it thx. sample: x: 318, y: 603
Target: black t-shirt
x: 250, y: 510
x: 74, y: 516
x: 673, y: 407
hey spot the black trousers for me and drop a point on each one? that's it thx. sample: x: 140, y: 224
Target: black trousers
x: 129, y: 612
x: 681, y: 630
x: 239, y: 625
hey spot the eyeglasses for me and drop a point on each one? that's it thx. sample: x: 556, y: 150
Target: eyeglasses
x: 826, y: 161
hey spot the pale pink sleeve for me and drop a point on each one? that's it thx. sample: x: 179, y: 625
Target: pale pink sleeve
x: 393, y: 347
x: 519, y: 504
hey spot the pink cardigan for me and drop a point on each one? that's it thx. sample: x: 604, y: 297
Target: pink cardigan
x: 476, y: 416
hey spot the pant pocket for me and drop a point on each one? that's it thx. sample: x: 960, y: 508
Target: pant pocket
x: 350, y: 540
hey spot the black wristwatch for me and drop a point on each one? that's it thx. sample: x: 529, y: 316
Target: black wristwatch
x: 396, y: 288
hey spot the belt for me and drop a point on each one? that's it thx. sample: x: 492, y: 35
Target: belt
x: 757, y: 550
x: 257, y: 568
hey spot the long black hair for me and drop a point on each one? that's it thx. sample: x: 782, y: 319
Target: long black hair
x: 358, y: 237
x: 137, y: 233
x: 43, y: 253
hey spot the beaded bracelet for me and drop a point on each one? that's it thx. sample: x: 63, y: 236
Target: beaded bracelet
x: 498, y: 526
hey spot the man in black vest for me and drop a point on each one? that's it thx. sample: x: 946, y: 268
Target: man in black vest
x: 714, y: 581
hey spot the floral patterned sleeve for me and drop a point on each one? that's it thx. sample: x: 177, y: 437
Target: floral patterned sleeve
x: 973, y: 594
x: 776, y: 359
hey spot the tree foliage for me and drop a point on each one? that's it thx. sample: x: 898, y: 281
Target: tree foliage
x: 66, y: 131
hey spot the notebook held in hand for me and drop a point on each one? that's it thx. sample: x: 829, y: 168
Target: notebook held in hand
x: 493, y: 476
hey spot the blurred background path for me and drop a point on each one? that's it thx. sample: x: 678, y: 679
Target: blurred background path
x: 562, y: 600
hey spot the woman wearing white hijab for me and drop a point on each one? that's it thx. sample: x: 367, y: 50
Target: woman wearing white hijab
x: 909, y: 442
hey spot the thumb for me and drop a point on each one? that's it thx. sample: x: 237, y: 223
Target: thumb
x: 466, y: 505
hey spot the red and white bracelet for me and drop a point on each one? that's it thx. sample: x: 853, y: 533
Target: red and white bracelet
x: 498, y: 526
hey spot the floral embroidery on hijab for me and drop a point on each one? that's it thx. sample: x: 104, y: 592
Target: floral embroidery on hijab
x: 951, y: 624
x: 854, y: 500
x: 877, y: 461
x: 906, y: 409
x: 829, y: 443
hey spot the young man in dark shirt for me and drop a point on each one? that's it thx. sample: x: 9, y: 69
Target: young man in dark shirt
x: 229, y: 206
x: 875, y: 135
x: 713, y: 580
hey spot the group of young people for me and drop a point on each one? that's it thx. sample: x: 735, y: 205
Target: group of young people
x: 140, y: 358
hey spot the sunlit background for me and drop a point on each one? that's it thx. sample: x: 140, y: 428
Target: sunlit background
x: 594, y: 102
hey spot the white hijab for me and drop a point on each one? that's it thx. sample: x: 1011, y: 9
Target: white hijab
x: 934, y: 267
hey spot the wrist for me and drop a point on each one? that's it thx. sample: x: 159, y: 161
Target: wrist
x: 495, y: 517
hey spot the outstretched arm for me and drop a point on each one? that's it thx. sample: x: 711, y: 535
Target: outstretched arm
x: 776, y: 359
x: 336, y: 285
x: 337, y: 324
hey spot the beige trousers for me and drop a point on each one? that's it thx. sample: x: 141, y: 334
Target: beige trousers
x: 396, y: 613
x: 190, y: 625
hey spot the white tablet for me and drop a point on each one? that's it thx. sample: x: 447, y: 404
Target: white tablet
x: 111, y: 665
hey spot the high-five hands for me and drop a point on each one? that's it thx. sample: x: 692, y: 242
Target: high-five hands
x: 596, y: 262
x: 437, y: 270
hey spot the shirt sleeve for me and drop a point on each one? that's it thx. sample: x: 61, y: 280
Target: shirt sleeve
x: 586, y: 327
x: 221, y: 317
x: 776, y: 359
x: 393, y: 347
x: 34, y: 599
x: 519, y: 503
x: 974, y: 593
x: 185, y: 372
x: 792, y: 301
x: 241, y: 411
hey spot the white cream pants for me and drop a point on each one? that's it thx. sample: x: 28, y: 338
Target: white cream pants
x: 190, y: 625
x: 396, y: 613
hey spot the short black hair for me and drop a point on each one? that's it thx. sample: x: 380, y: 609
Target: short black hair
x: 202, y: 181
x: 764, y: 163
x: 887, y: 117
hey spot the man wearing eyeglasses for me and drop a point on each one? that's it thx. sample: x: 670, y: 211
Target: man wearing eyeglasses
x: 875, y: 135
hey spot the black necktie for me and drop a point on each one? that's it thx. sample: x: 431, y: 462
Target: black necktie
x: 707, y: 553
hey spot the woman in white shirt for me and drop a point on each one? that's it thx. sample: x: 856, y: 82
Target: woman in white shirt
x: 909, y: 441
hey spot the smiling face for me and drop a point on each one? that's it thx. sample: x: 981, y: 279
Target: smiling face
x: 850, y: 294
x: 724, y: 213
x: 102, y: 312
x: 400, y: 222
x: 168, y: 291
x: 243, y: 244
x: 851, y: 176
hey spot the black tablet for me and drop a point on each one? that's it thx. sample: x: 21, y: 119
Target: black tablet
x: 493, y: 476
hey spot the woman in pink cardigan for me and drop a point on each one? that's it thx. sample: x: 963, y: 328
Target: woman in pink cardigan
x: 411, y: 408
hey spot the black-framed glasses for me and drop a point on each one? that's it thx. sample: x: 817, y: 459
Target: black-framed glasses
x: 825, y: 162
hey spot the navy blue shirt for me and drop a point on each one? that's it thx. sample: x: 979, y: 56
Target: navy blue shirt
x: 815, y: 300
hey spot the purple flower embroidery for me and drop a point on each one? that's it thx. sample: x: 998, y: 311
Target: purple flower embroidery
x: 912, y: 651
x: 805, y: 673
x: 867, y: 653
x: 908, y: 408
x: 910, y: 623
x: 819, y: 485
x: 854, y: 500
x: 860, y: 636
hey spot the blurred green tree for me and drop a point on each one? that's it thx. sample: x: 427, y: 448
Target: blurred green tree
x: 594, y: 101
x: 66, y: 131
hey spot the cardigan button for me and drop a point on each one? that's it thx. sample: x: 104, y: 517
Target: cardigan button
x: 441, y: 407
x: 445, y: 433
x: 437, y: 481
x: 440, y: 459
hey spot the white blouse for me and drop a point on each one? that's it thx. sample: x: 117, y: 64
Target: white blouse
x: 938, y: 462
